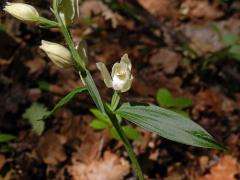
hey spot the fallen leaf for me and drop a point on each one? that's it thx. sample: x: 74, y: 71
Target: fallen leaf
x: 50, y: 148
x: 166, y: 60
x: 201, y: 9
x: 2, y: 161
x: 94, y: 7
x: 111, y: 167
x: 226, y: 169
x: 36, y: 66
x: 161, y: 8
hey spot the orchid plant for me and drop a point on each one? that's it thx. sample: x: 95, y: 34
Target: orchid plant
x: 166, y: 123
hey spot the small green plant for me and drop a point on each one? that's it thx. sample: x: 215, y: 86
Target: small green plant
x: 166, y: 100
x: 230, y: 50
x: 4, y: 138
x: 231, y: 42
x: 164, y: 122
x: 102, y: 121
x: 35, y: 114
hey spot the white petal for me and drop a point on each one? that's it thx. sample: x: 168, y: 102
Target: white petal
x: 127, y: 85
x: 105, y: 73
x: 22, y: 11
x: 59, y: 55
x: 126, y: 61
x: 115, y: 67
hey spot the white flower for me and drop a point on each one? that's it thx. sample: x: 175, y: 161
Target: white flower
x: 22, y: 11
x: 59, y: 55
x: 121, y: 77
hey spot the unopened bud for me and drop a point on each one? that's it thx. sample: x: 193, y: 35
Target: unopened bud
x: 59, y: 55
x: 23, y: 12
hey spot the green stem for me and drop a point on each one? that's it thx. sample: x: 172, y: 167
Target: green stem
x: 94, y: 92
x: 47, y: 23
x: 79, y: 62
x: 115, y: 100
x: 127, y: 144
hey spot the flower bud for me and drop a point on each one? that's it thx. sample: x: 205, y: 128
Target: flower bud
x: 59, y: 55
x: 121, y: 77
x: 23, y: 12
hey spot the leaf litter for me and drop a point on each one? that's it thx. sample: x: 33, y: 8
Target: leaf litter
x: 70, y: 149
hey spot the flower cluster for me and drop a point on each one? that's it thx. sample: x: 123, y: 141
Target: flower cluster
x: 120, y: 79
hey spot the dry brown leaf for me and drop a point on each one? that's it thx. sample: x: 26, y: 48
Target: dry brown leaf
x: 212, y: 100
x: 10, y: 175
x: 50, y: 148
x: 111, y: 167
x: 226, y: 169
x: 161, y: 8
x: 2, y: 161
x: 141, y: 88
x: 175, y: 172
x: 98, y: 8
x: 201, y: 9
x: 4, y: 62
x: 204, y: 39
x: 34, y: 94
x: 36, y: 66
x: 166, y: 60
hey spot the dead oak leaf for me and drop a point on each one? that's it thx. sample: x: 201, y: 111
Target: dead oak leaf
x: 2, y: 161
x: 36, y: 66
x: 111, y: 167
x: 50, y: 148
x: 98, y: 8
x: 226, y: 169
x: 160, y: 8
x: 201, y: 9
x: 166, y: 60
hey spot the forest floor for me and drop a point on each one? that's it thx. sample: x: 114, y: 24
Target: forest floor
x: 172, y: 44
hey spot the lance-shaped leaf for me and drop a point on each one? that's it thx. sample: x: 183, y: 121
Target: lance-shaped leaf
x: 93, y: 91
x: 66, y: 99
x: 69, y: 97
x: 169, y: 125
x: 6, y: 137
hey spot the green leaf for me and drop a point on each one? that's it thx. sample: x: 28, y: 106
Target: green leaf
x: 93, y: 91
x: 216, y: 29
x: 35, y: 114
x: 5, y: 149
x: 119, y: 118
x: 44, y: 85
x: 169, y: 125
x: 66, y: 99
x: 230, y: 39
x: 114, y: 134
x: 165, y: 99
x: 100, y: 116
x: 181, y: 102
x: 181, y: 112
x: 234, y: 52
x: 82, y: 51
x: 68, y: 10
x: 6, y: 137
x: 131, y: 133
x: 99, y: 125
